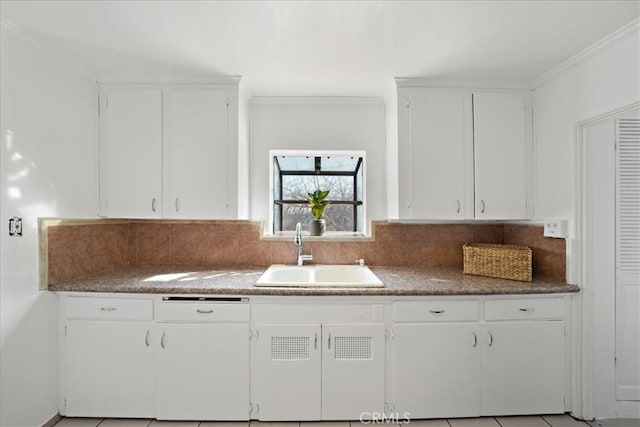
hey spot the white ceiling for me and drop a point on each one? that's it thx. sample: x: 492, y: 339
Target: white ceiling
x: 319, y: 47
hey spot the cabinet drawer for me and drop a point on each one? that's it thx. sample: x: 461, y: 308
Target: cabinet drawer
x: 435, y: 311
x: 202, y: 312
x: 109, y: 308
x: 524, y: 309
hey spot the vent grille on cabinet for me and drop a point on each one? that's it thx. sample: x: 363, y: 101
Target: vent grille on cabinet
x: 290, y: 348
x: 628, y: 200
x: 352, y: 348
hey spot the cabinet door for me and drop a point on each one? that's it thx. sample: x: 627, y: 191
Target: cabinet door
x: 436, y: 176
x: 110, y: 369
x: 353, y: 370
x: 286, y: 372
x: 203, y: 371
x: 436, y: 370
x: 130, y: 152
x: 502, y: 150
x: 523, y: 368
x: 197, y: 149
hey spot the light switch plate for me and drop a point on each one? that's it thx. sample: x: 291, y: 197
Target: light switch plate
x: 556, y: 229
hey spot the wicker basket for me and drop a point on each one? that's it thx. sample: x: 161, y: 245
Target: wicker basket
x: 494, y: 260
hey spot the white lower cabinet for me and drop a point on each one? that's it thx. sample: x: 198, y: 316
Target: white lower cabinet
x: 217, y: 358
x: 318, y: 371
x: 436, y: 370
x: 501, y: 367
x: 203, y: 371
x: 110, y: 369
x: 286, y: 372
x: 523, y: 368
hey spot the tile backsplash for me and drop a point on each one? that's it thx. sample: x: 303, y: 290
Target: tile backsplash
x: 73, y: 249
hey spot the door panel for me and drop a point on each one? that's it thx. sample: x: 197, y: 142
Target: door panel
x: 436, y: 370
x: 110, y: 369
x: 203, y: 371
x: 286, y: 372
x: 353, y: 370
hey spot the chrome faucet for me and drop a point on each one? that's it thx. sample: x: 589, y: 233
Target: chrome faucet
x: 297, y: 242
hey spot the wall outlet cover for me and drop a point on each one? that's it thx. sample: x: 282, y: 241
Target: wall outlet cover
x: 556, y: 229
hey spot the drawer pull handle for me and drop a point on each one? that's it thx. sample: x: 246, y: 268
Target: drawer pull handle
x: 457, y: 206
x: 153, y: 204
x: 108, y: 309
x: 162, y: 340
x: 437, y: 312
x: 490, y: 339
x: 146, y: 338
x: 329, y: 342
x: 204, y: 311
x: 481, y: 206
x: 315, y: 342
x: 527, y: 310
x: 475, y: 340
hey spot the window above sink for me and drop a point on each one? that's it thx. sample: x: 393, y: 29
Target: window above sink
x: 296, y: 173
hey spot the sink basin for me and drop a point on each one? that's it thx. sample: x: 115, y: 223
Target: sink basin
x: 319, y: 276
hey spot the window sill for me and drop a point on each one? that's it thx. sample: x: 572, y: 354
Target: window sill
x: 329, y: 236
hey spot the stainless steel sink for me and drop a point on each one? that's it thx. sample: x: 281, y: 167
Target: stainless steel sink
x: 316, y: 276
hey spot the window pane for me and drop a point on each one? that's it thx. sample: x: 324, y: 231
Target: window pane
x: 295, y: 187
x: 339, y: 164
x: 338, y: 217
x: 296, y: 163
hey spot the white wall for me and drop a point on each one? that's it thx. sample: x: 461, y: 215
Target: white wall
x: 603, y: 80
x: 48, y: 168
x: 317, y: 124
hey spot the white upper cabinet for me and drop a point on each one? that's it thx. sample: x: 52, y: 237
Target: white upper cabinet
x: 169, y: 151
x: 435, y: 154
x: 464, y: 153
x: 502, y: 155
x: 130, y: 152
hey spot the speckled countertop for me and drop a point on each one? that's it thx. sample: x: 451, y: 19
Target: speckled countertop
x: 407, y: 281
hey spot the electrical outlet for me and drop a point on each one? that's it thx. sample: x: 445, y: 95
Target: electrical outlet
x: 556, y: 229
x: 15, y: 226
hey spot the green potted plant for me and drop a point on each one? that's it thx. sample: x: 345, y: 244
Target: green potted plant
x: 318, y: 203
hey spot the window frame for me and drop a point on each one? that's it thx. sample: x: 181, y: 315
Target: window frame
x: 361, y: 164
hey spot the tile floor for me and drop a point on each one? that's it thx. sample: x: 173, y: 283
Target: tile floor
x: 525, y: 421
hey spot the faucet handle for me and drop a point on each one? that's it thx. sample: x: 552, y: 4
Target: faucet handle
x: 360, y: 262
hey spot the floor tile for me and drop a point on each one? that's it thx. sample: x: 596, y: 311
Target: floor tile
x: 156, y: 423
x: 473, y: 422
x: 78, y: 422
x: 124, y: 422
x: 325, y: 424
x: 532, y: 421
x: 223, y: 424
x: 563, y: 420
x: 274, y: 424
x: 426, y: 423
x: 618, y: 422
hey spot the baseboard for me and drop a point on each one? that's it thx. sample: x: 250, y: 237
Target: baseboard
x: 52, y: 421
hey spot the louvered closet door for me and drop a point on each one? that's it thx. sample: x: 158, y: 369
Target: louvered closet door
x: 628, y: 259
x: 353, y: 367
x: 286, y: 372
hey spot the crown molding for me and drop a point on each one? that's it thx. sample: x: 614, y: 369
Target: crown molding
x: 469, y: 84
x: 586, y: 53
